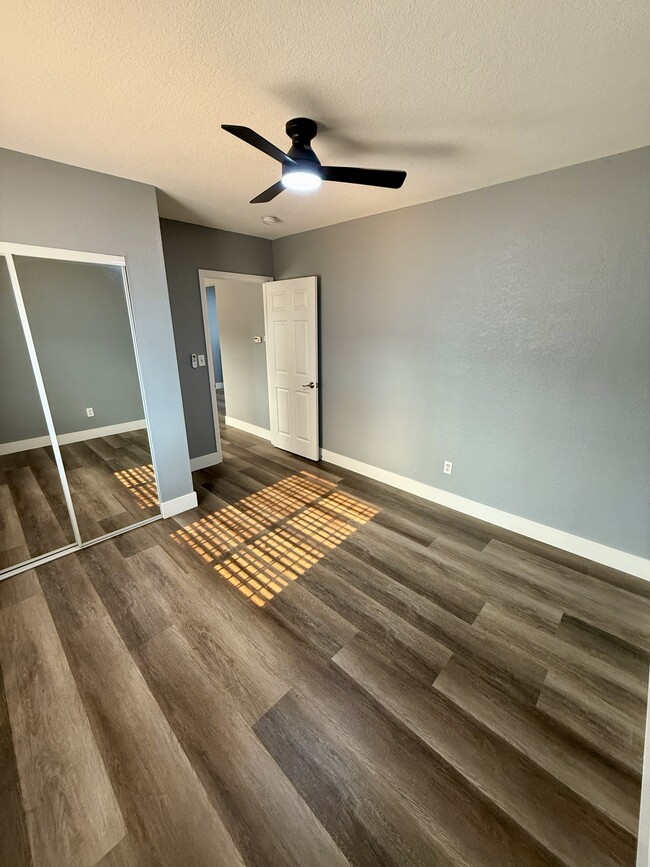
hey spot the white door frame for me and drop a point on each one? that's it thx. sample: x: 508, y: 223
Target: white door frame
x: 208, y: 278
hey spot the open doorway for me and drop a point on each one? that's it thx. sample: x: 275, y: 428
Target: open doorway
x: 215, y: 347
x: 233, y: 319
x: 268, y: 389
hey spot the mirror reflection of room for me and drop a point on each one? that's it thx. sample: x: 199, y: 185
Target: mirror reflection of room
x: 34, y: 518
x: 79, y: 320
x: 101, y: 477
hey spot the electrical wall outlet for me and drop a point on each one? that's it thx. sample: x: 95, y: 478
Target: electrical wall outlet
x: 447, y: 467
x: 90, y: 412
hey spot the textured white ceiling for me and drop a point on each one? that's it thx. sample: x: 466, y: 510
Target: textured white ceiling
x: 460, y: 93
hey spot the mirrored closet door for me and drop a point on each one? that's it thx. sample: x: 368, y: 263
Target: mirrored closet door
x: 75, y: 456
x: 34, y: 512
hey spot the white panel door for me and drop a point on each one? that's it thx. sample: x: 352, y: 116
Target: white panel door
x: 292, y: 363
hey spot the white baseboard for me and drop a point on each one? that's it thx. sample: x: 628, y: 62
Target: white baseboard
x: 249, y: 428
x: 74, y: 437
x: 204, y: 461
x: 616, y: 559
x: 180, y: 504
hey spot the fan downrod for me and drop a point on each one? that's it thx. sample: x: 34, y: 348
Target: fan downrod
x: 301, y: 130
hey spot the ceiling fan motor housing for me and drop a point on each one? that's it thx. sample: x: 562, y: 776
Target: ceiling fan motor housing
x: 301, y: 130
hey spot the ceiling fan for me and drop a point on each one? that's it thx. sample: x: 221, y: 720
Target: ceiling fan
x: 301, y: 168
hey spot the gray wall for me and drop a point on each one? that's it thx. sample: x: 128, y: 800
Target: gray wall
x: 506, y: 329
x: 187, y: 249
x: 55, y: 205
x: 80, y: 324
x: 215, y: 339
x: 241, y: 317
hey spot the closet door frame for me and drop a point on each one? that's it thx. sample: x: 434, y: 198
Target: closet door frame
x: 7, y: 251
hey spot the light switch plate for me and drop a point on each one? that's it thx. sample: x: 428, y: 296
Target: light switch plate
x: 257, y: 339
x: 201, y: 360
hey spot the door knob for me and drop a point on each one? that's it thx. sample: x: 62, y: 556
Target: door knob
x: 309, y: 385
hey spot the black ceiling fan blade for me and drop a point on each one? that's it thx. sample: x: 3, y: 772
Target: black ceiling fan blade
x: 269, y: 194
x: 370, y: 177
x: 255, y: 139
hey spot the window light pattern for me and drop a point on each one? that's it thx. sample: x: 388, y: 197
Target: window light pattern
x: 285, y: 497
x: 218, y: 533
x: 273, y: 536
x: 321, y: 526
x: 141, y: 482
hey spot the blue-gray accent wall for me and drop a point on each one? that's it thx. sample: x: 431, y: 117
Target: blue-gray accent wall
x: 189, y: 248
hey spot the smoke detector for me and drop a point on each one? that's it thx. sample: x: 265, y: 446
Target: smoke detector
x: 270, y: 220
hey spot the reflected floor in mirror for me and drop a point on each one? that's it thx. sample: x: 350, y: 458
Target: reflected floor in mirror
x: 112, y: 482
x: 112, y: 485
x: 34, y: 518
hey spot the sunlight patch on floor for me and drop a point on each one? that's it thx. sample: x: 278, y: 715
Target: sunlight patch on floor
x: 275, y: 535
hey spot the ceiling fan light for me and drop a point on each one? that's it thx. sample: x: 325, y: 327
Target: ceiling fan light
x: 301, y: 180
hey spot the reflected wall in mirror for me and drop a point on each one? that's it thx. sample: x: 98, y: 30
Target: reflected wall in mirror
x: 34, y: 515
x: 79, y: 319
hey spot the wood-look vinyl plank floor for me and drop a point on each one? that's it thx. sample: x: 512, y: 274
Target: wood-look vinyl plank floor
x: 57, y: 756
x: 14, y: 838
x: 594, y: 719
x: 604, y: 646
x: 336, y: 785
x: 321, y: 672
x: 242, y: 666
x: 535, y: 800
x: 166, y: 809
x: 13, y: 556
x: 26, y: 584
x: 127, y: 594
x: 231, y: 761
x: 401, y: 802
x: 584, y: 770
x: 11, y: 531
x: 598, y: 603
x: 448, y: 634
